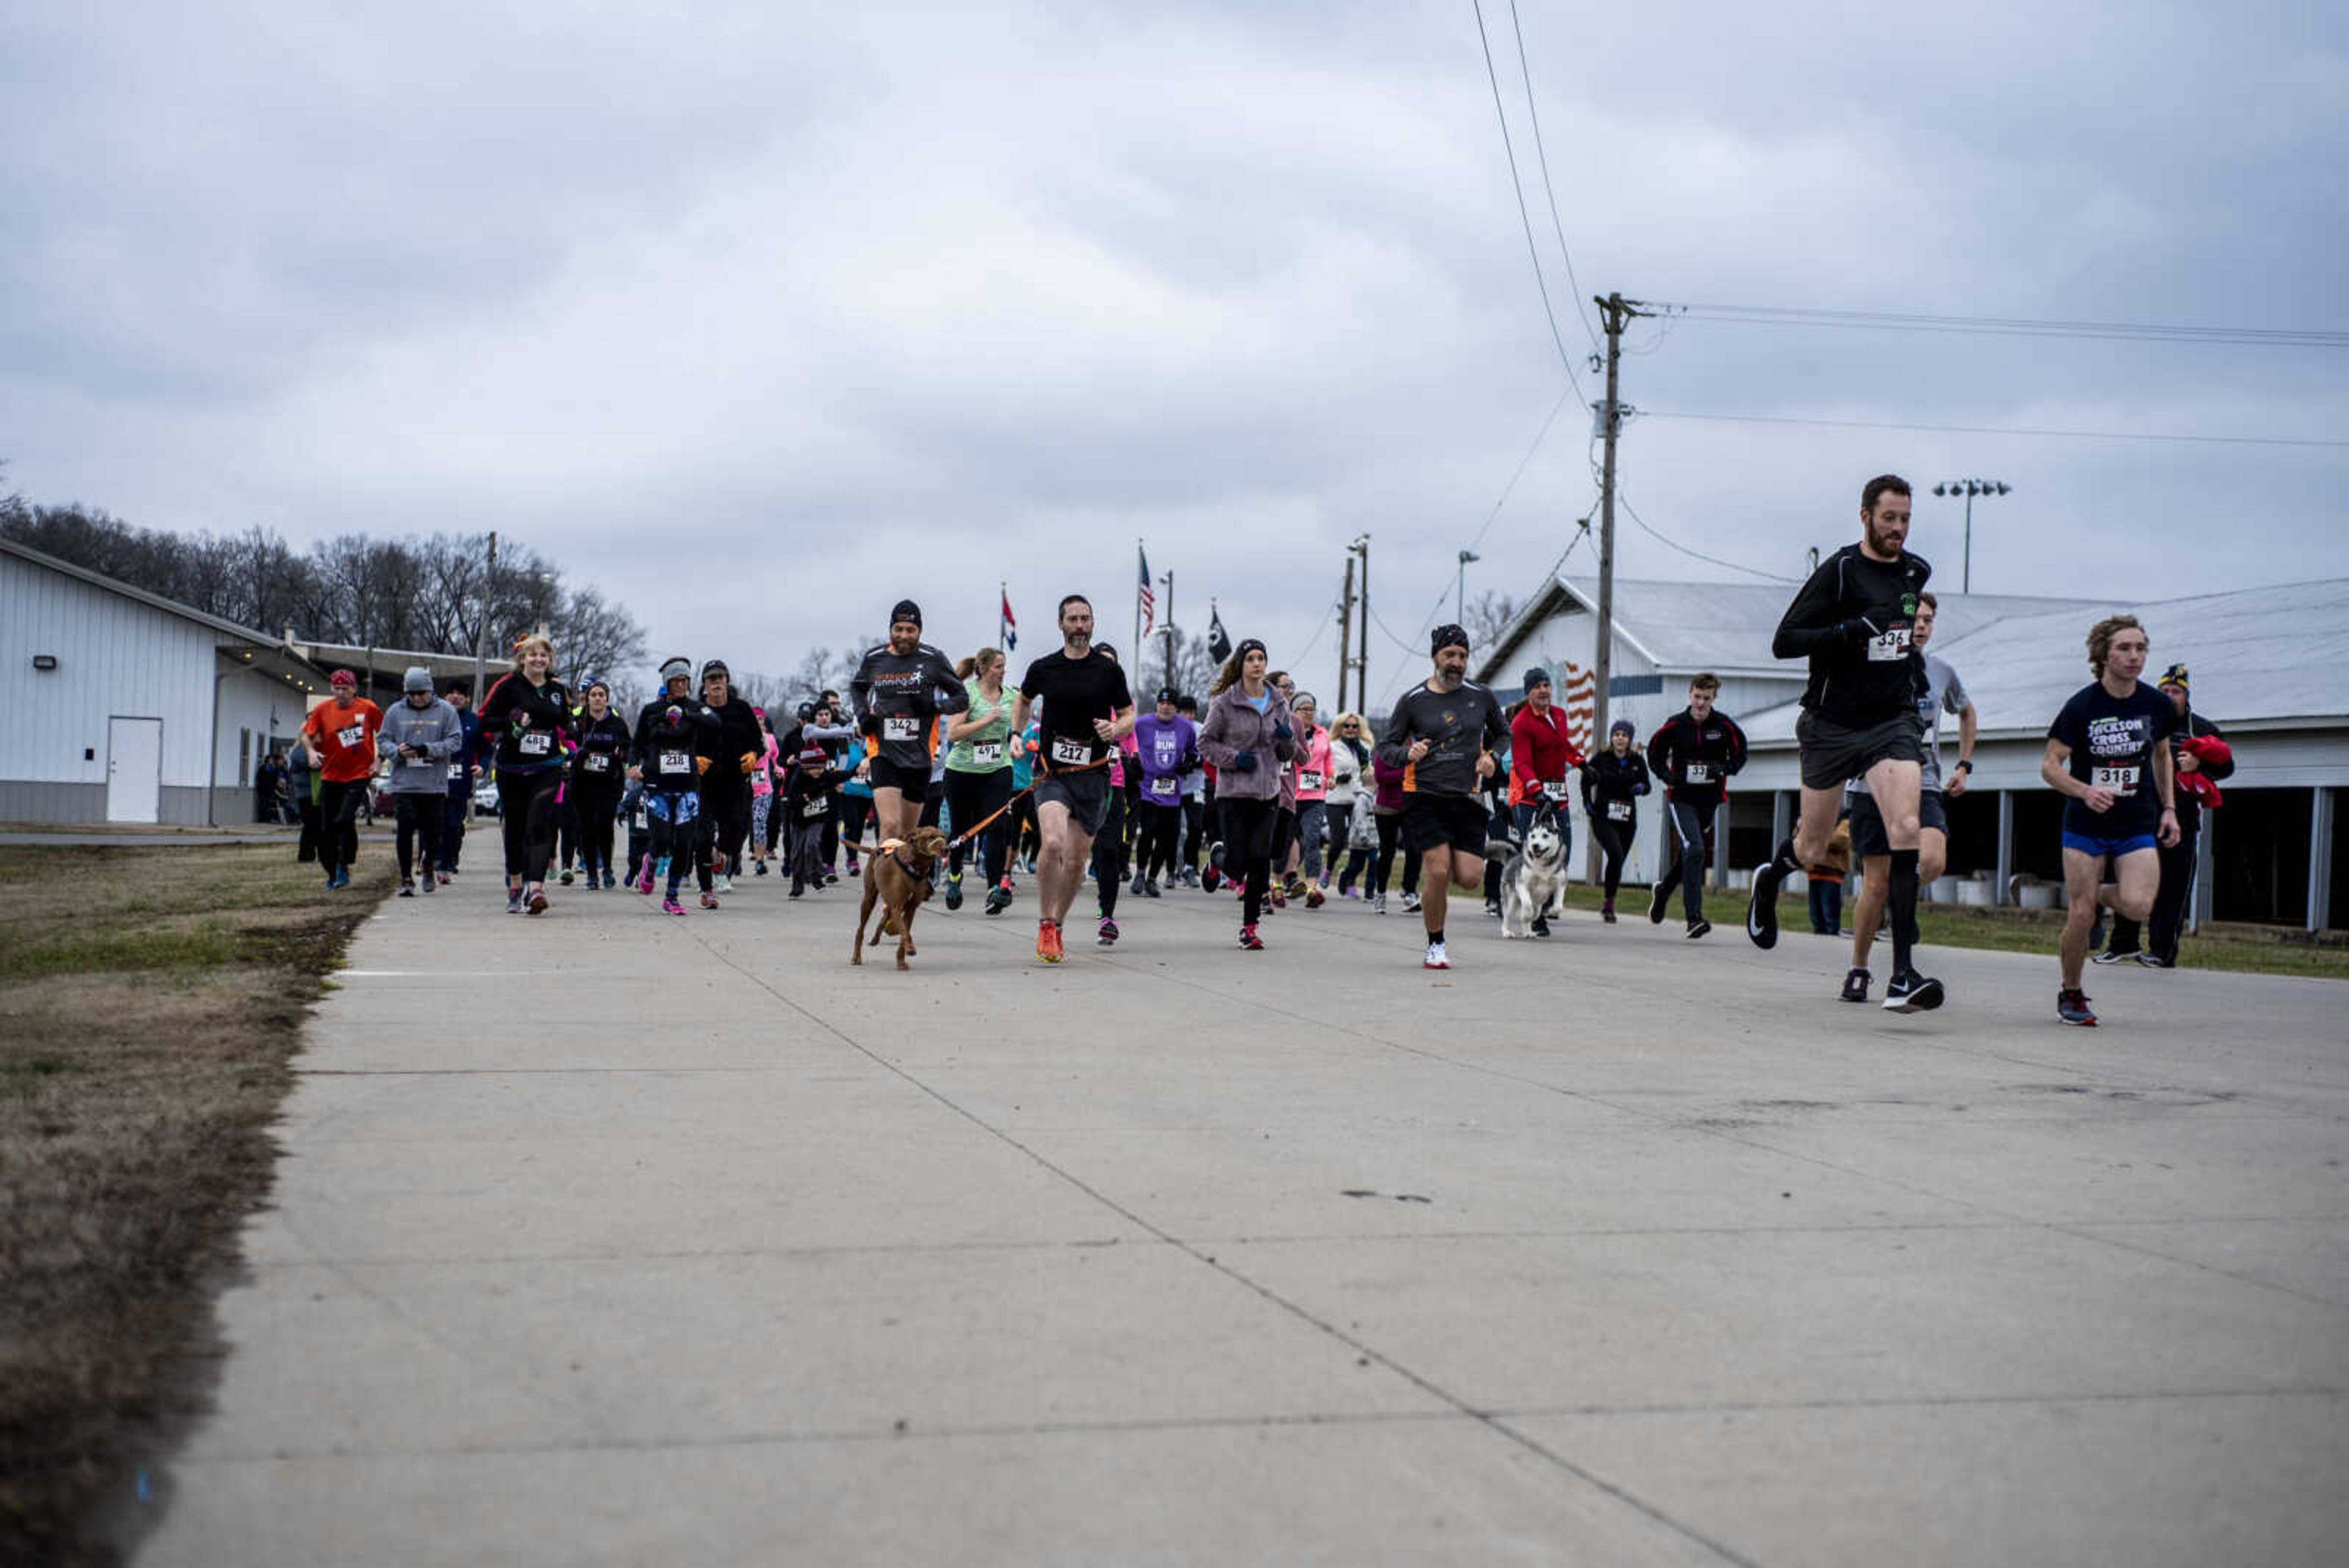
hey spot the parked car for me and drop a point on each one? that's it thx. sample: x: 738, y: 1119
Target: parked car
x: 485, y: 798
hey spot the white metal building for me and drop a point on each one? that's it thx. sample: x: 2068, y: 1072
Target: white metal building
x: 126, y: 707
x: 2261, y: 661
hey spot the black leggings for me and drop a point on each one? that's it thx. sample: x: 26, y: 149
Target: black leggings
x: 855, y: 811
x: 597, y: 810
x: 1162, y: 827
x: 1390, y: 827
x: 1248, y: 827
x: 1109, y: 853
x: 726, y: 805
x: 338, y: 831
x: 527, y: 801
x: 419, y: 817
x: 972, y: 798
x: 1194, y: 822
x: 1614, y: 841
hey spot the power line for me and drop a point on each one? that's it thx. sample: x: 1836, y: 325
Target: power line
x: 1533, y: 109
x: 1516, y: 186
x: 1624, y: 502
x: 2016, y: 326
x: 1993, y: 429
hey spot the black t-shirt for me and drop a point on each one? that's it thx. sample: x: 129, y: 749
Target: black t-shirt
x: 2112, y: 741
x: 1075, y: 692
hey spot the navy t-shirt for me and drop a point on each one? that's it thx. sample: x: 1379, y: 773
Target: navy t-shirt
x: 2112, y: 741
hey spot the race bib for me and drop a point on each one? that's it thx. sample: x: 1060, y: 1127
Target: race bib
x: 676, y: 762
x: 814, y: 805
x: 1164, y: 788
x: 2120, y: 780
x: 1071, y: 753
x: 987, y: 753
x: 639, y: 822
x: 456, y: 773
x: 1556, y: 789
x: 1308, y: 780
x: 1885, y: 646
x: 1700, y: 773
x: 537, y: 743
x: 598, y: 763
x: 900, y: 727
x: 1618, y: 811
x: 350, y: 735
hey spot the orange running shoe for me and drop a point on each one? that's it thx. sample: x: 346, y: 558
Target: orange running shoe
x: 1048, y: 943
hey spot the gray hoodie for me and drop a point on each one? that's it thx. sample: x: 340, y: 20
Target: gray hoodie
x: 436, y: 729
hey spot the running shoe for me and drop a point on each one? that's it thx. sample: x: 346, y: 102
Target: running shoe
x: 721, y: 883
x: 1250, y: 940
x: 1492, y: 908
x: 1411, y: 903
x: 1150, y: 889
x: 1910, y: 992
x: 441, y: 877
x: 710, y: 899
x: 998, y: 897
x: 1437, y: 956
x: 2146, y: 960
x: 799, y: 889
x: 954, y: 889
x: 1855, y: 985
x: 1211, y: 879
x: 1107, y: 932
x: 2072, y: 1007
x: 670, y: 905
x: 1048, y: 942
x: 407, y: 888
x: 644, y: 877
x: 1761, y: 910
x: 513, y: 900
x: 717, y: 867
x: 1541, y: 925
x: 1379, y: 904
x: 1294, y: 888
x: 427, y: 883
x: 1658, y: 897
x: 759, y: 869
x: 2115, y: 955
x: 853, y: 870
x: 1314, y: 897
x: 1607, y: 911
x: 565, y: 878
x: 1698, y: 927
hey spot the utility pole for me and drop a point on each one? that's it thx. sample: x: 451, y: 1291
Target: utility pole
x: 1614, y: 310
x: 1345, y: 632
x: 481, y: 635
x: 1170, y: 628
x: 1362, y: 664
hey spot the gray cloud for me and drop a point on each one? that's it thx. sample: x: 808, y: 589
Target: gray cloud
x: 758, y: 319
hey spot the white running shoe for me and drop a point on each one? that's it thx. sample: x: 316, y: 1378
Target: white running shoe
x: 1437, y: 956
x: 724, y: 884
x: 1411, y: 903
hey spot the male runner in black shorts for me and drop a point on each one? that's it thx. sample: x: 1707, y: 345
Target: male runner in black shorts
x: 1442, y: 734
x: 900, y: 691
x: 1087, y: 710
x: 1853, y: 620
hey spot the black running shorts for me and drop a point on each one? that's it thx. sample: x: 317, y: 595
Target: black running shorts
x: 915, y: 782
x: 1833, y: 753
x: 1457, y: 822
x: 1867, y: 834
x: 1086, y: 795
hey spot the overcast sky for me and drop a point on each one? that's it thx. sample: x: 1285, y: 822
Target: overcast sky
x: 761, y: 318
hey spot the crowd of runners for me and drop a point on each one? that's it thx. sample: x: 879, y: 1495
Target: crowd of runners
x: 1065, y: 780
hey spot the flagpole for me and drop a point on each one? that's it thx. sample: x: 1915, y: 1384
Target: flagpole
x: 1170, y: 628
x: 1002, y: 597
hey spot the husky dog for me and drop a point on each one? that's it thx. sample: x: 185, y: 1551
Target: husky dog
x: 1535, y: 879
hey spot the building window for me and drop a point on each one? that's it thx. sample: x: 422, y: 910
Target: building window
x: 244, y: 758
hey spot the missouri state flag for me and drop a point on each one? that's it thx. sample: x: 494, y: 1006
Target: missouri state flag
x: 1010, y: 624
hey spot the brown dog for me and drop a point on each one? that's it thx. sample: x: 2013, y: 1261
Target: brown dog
x: 897, y: 877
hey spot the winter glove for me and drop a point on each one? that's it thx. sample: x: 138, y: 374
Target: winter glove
x: 701, y: 764
x: 749, y: 762
x: 1859, y: 629
x: 1283, y: 733
x: 1244, y: 763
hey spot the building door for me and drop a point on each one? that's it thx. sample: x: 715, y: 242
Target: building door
x: 134, y: 770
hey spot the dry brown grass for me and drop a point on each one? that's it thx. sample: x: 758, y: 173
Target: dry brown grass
x: 151, y: 1001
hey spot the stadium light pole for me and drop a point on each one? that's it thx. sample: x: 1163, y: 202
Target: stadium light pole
x: 1970, y: 488
x: 1460, y: 587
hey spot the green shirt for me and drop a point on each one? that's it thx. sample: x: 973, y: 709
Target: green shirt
x: 983, y: 751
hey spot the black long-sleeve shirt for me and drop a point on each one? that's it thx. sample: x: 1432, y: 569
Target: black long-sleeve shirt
x: 1694, y: 758
x: 737, y: 733
x: 531, y: 724
x: 602, y: 765
x: 668, y: 732
x: 900, y: 696
x: 1459, y: 727
x: 1610, y: 781
x: 1852, y: 620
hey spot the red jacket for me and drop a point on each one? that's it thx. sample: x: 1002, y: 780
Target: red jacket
x: 1540, y: 752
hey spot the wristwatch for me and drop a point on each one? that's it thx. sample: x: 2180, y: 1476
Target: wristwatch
x: 1965, y: 765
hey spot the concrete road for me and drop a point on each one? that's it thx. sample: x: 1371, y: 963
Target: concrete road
x: 607, y: 1238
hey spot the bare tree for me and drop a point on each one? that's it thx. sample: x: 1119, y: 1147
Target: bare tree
x: 1487, y: 615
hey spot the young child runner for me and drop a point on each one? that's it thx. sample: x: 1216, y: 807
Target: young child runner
x: 667, y: 730
x: 762, y: 790
x: 805, y: 800
x: 598, y: 779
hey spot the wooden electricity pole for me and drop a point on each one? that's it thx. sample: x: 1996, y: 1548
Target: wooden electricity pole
x: 1345, y: 633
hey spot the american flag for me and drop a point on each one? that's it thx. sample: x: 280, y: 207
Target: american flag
x: 1149, y: 600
